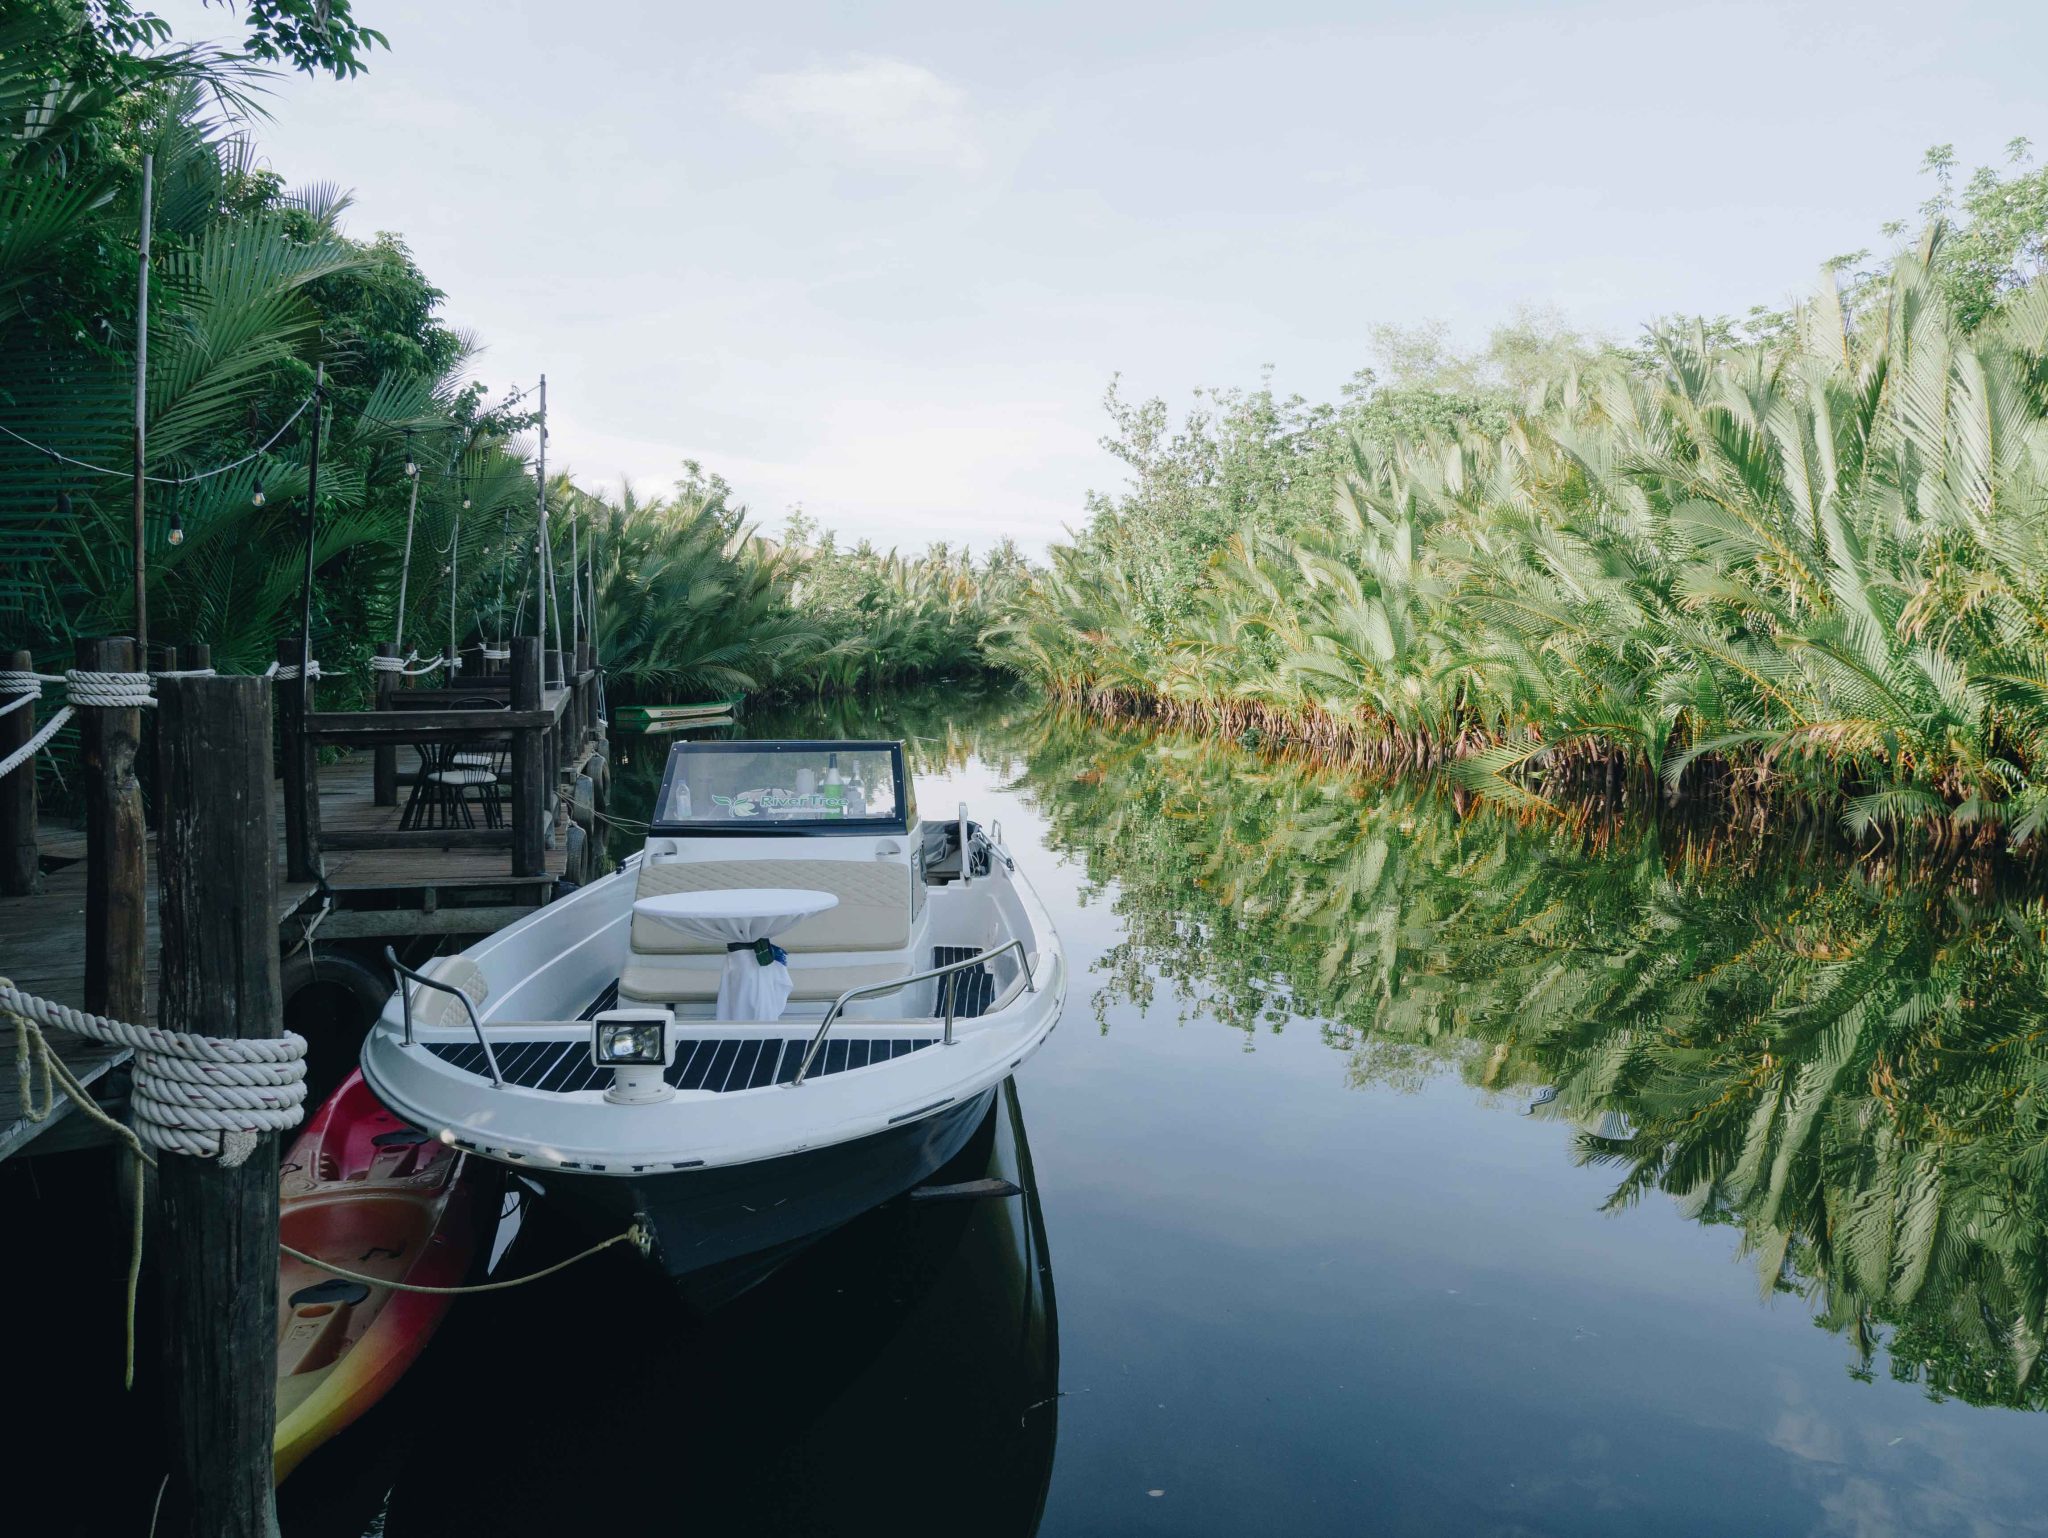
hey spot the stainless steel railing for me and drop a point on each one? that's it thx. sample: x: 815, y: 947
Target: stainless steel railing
x: 405, y: 998
x: 952, y: 995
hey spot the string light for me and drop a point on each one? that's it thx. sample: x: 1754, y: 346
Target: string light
x: 162, y: 480
x: 412, y: 466
x: 177, y: 526
x: 256, y: 498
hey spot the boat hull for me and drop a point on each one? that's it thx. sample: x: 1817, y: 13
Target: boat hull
x: 721, y: 1230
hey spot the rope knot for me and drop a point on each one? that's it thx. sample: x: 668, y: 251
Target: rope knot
x: 205, y: 1096
x: 108, y: 691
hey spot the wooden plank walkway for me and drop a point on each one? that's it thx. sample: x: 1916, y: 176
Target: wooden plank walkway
x: 42, y: 938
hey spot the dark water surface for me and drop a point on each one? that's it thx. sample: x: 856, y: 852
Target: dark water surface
x: 1393, y: 1171
x: 1406, y: 1172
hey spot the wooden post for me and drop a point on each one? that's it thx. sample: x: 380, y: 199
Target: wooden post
x: 220, y: 976
x: 384, y: 767
x: 586, y: 692
x: 529, y: 790
x: 194, y: 656
x: 21, y: 870
x: 301, y: 777
x: 115, y: 872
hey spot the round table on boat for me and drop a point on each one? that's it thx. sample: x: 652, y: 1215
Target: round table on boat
x: 741, y: 919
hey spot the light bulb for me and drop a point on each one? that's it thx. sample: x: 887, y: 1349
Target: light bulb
x: 177, y: 530
x: 412, y: 467
x: 256, y: 498
x: 465, y: 504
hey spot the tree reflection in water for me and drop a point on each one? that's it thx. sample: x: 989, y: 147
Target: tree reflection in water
x: 1843, y: 1060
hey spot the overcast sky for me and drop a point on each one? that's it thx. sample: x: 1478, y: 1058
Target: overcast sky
x: 882, y: 259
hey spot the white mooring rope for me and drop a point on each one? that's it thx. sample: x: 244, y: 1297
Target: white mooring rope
x: 82, y: 686
x: 206, y: 1096
x: 398, y: 665
x: 287, y: 671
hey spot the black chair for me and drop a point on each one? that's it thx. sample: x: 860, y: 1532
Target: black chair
x: 451, y: 771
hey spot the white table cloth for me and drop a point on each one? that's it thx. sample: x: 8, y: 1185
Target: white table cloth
x: 746, y: 989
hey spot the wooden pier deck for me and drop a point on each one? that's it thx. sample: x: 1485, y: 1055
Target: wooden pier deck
x: 461, y: 890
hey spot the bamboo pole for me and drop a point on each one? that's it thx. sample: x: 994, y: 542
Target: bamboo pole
x: 312, y: 533
x: 139, y: 552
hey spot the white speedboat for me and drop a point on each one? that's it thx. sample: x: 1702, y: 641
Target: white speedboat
x: 792, y: 1005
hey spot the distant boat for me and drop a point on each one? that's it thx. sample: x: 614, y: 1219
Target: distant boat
x: 641, y: 717
x: 385, y: 1200
x: 694, y: 724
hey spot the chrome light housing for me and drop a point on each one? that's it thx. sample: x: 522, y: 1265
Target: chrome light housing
x: 637, y: 1042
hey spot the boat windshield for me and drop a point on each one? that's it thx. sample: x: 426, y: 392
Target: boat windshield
x: 783, y: 787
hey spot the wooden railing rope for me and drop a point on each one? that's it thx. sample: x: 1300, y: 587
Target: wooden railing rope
x: 82, y: 687
x: 399, y: 666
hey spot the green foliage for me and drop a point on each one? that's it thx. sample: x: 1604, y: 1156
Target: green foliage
x: 888, y: 620
x: 1805, y: 570
x: 254, y: 285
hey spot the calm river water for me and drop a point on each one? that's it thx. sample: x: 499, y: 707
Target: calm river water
x: 1393, y: 1171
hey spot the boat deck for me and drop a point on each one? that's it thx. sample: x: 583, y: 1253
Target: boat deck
x: 716, y: 1063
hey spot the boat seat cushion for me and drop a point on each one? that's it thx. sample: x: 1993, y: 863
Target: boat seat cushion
x: 873, y: 912
x: 668, y: 979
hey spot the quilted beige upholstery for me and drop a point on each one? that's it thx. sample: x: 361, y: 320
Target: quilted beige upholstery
x: 873, y: 912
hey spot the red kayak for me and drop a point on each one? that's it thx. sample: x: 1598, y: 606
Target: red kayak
x: 384, y: 1200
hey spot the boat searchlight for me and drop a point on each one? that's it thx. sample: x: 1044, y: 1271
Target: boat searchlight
x: 636, y: 1044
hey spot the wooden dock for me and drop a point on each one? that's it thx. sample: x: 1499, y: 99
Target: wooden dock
x: 377, y: 884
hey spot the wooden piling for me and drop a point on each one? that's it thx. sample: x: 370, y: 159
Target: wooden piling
x: 20, y: 867
x: 384, y: 767
x: 195, y: 655
x: 529, y: 784
x: 115, y: 873
x: 220, y: 977
x: 301, y: 783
